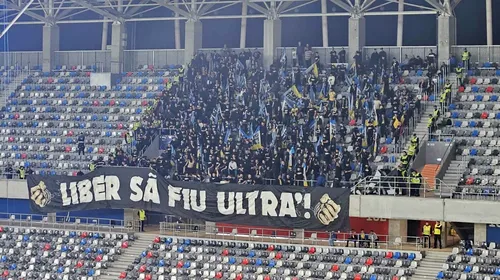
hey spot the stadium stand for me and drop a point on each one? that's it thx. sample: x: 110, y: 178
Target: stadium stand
x: 43, y: 119
x: 183, y: 258
x: 471, y: 262
x: 35, y: 253
x: 474, y: 122
x: 104, y: 115
x: 290, y: 125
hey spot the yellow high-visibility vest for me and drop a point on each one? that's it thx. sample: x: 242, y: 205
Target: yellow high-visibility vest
x: 429, y: 122
x: 22, y: 173
x: 142, y: 215
x: 442, y: 98
x: 411, y: 150
x: 426, y: 230
x: 415, y: 180
x: 437, y: 229
x: 465, y: 56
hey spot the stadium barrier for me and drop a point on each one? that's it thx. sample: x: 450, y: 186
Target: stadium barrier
x: 65, y: 222
x: 480, y: 54
x: 288, y: 236
x: 400, y: 186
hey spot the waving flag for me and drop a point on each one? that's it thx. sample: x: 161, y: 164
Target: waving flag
x: 296, y: 91
x: 256, y: 137
x: 228, y: 134
x: 273, y: 135
x: 332, y: 129
x: 315, y: 70
x: 320, y: 140
x: 283, y: 131
x: 244, y: 135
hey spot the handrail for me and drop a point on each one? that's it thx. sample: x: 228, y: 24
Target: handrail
x: 289, y: 236
x: 64, y: 222
x: 396, y: 186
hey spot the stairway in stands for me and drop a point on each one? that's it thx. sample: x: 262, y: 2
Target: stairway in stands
x: 454, y: 172
x: 430, y: 265
x: 12, y: 86
x: 422, y: 130
x: 127, y: 257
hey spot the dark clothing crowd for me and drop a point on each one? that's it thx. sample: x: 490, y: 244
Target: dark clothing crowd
x: 225, y: 118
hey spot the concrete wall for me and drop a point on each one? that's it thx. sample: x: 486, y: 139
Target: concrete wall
x: 100, y: 79
x: 434, y: 209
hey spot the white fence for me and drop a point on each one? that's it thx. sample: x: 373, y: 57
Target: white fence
x: 101, y: 60
x: 165, y: 57
x: 480, y: 54
x: 21, y: 59
x: 159, y: 58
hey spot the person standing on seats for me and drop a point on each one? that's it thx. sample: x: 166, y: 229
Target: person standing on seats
x: 81, y: 144
x: 437, y: 235
x: 426, y: 234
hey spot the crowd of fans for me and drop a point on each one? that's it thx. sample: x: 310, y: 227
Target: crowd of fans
x: 301, y: 122
x: 228, y: 119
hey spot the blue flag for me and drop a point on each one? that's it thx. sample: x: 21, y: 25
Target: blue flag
x: 226, y: 138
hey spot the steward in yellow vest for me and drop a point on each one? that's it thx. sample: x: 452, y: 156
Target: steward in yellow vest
x: 426, y: 234
x: 22, y: 173
x: 142, y: 218
x: 437, y: 235
x: 415, y: 183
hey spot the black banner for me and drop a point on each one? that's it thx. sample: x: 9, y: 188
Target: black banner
x: 141, y: 188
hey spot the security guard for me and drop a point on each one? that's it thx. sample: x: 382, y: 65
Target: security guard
x: 181, y: 74
x: 430, y: 124
x: 426, y: 234
x: 442, y: 99
x: 21, y: 172
x: 92, y: 166
x: 460, y: 74
x: 447, y: 86
x: 142, y: 218
x: 447, y: 90
x: 414, y: 141
x: 177, y: 79
x: 466, y: 58
x: 415, y: 183
x: 411, y: 152
x: 437, y: 235
x: 436, y: 114
x: 404, y: 160
x: 402, y: 180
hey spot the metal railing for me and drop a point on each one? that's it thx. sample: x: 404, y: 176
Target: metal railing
x: 99, y: 59
x: 400, y: 52
x: 289, y: 236
x: 160, y: 58
x: 399, y: 186
x: 64, y: 222
x: 12, y: 175
x: 480, y: 54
